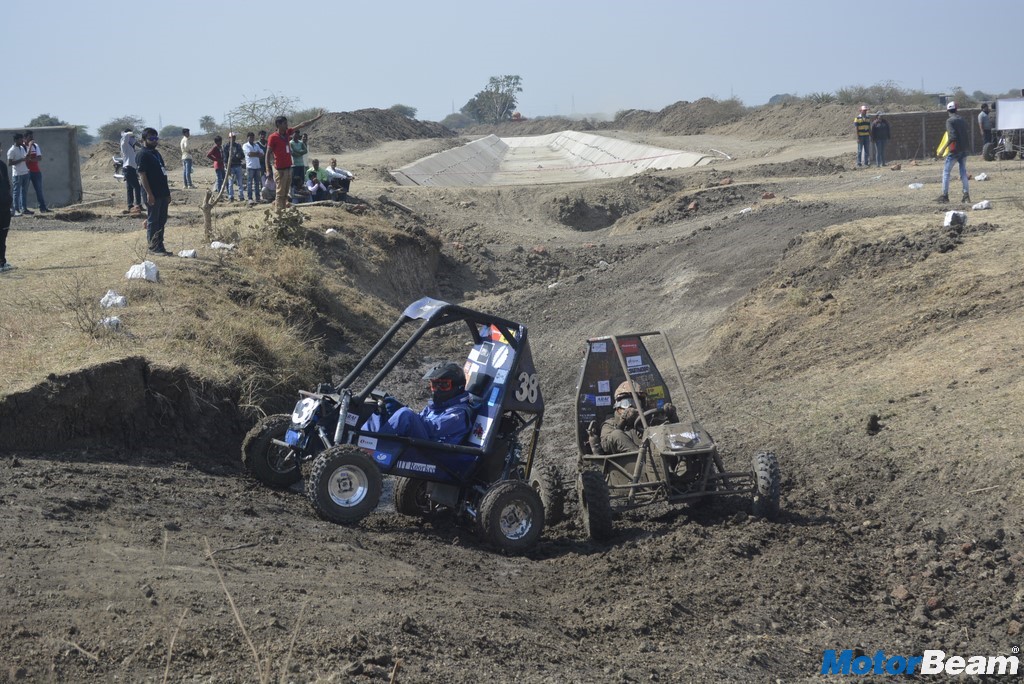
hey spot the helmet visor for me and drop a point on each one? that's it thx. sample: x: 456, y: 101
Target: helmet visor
x: 625, y: 402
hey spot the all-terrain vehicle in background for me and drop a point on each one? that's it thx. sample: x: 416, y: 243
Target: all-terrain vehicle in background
x: 490, y: 479
x: 1006, y: 146
x: 676, y: 460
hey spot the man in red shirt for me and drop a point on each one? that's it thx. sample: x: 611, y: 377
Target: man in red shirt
x: 36, y: 176
x: 279, y: 156
x: 217, y: 157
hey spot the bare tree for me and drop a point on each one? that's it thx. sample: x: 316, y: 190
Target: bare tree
x: 260, y: 112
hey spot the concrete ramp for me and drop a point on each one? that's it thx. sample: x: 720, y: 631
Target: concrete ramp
x: 554, y: 158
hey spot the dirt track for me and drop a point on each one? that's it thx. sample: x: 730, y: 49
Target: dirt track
x: 839, y: 298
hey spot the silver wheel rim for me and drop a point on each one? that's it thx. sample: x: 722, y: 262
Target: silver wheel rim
x: 348, y: 486
x: 515, y: 520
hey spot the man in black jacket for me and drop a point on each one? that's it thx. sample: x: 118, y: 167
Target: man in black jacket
x: 5, y: 216
x: 959, y: 139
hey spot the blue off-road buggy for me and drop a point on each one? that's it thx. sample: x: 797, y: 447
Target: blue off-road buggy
x: 674, y: 460
x: 490, y: 479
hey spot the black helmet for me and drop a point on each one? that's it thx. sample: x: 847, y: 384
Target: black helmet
x: 446, y: 381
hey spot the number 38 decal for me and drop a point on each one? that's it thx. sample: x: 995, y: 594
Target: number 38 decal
x: 529, y: 387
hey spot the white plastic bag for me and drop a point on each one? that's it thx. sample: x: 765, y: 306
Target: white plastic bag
x: 111, y: 323
x: 916, y: 186
x: 981, y: 177
x: 746, y: 211
x: 983, y: 204
x: 187, y: 254
x: 147, y: 270
x: 331, y: 231
x: 112, y: 299
x: 955, y: 218
x: 221, y: 245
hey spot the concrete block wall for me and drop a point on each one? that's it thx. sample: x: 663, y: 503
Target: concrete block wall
x: 60, y: 166
x: 916, y: 135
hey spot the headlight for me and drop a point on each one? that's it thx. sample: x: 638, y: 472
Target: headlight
x: 304, y: 411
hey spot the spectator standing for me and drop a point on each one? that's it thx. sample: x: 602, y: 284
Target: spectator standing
x: 253, y: 153
x: 217, y: 157
x: 279, y: 151
x: 986, y: 124
x: 263, y: 158
x: 186, y: 159
x: 863, y: 125
x: 956, y: 131
x: 35, y: 174
x: 16, y: 156
x: 299, y: 150
x: 131, y: 171
x: 880, y: 136
x: 5, y: 216
x: 153, y: 173
x: 234, y: 158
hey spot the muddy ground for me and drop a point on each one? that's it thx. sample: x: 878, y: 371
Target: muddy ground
x: 837, y: 323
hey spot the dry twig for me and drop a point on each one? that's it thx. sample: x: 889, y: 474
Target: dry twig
x: 291, y: 646
x: 170, y: 648
x: 234, y: 609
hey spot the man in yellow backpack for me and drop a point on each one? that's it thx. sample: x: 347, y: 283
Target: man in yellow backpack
x: 957, y: 141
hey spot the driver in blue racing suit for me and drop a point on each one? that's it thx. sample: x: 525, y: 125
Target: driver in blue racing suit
x: 447, y: 417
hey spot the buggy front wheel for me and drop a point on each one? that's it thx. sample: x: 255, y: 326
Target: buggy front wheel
x: 595, y: 504
x: 768, y: 484
x: 988, y: 152
x: 512, y: 516
x: 272, y: 464
x: 345, y: 485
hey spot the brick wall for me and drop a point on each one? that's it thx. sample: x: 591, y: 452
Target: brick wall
x: 916, y: 135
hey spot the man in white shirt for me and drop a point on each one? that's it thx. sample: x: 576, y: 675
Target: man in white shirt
x: 186, y: 159
x: 340, y: 179
x: 131, y: 171
x: 19, y: 173
x: 253, y: 152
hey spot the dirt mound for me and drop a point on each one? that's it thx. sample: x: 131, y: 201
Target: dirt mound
x: 798, y: 122
x: 682, y: 118
x: 539, y: 126
x: 363, y: 128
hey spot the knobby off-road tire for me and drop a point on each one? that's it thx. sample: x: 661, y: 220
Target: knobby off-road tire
x: 595, y: 505
x: 546, y: 480
x: 768, y: 480
x: 988, y: 152
x: 266, y: 460
x: 345, y: 485
x: 1006, y: 155
x: 411, y: 498
x: 511, y: 516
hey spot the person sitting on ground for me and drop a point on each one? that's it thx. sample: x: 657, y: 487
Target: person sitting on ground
x: 340, y: 179
x: 317, y: 190
x: 617, y: 432
x: 269, y: 191
x: 447, y: 417
x: 298, y: 194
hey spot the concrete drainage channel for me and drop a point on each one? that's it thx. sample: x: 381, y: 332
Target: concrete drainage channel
x: 554, y: 158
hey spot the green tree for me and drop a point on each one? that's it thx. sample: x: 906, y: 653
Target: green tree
x: 496, y: 102
x: 208, y: 124
x: 45, y: 120
x: 456, y: 121
x: 170, y: 131
x: 405, y: 110
x: 112, y: 129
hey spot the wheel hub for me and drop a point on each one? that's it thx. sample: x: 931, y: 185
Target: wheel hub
x: 515, y: 521
x: 348, y: 486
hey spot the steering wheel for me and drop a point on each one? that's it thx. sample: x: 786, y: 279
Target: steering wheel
x: 654, y: 416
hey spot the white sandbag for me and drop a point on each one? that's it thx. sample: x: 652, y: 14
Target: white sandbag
x: 111, y: 323
x: 955, y: 218
x: 331, y: 231
x: 981, y: 177
x: 112, y: 299
x: 746, y: 211
x: 147, y: 270
x: 221, y: 245
x: 187, y: 254
x: 916, y: 186
x: 983, y: 204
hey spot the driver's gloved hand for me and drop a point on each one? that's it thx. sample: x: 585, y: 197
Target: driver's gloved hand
x: 625, y: 418
x: 389, y: 406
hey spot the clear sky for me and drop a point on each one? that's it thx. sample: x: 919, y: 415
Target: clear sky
x: 173, y: 62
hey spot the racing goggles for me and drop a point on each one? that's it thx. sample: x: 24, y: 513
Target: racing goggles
x: 441, y: 385
x: 624, y: 403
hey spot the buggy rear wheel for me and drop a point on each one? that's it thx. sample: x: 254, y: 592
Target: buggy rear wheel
x: 512, y: 516
x: 546, y: 480
x: 988, y: 152
x: 411, y: 497
x: 595, y: 504
x: 272, y: 464
x: 768, y: 482
x: 345, y: 485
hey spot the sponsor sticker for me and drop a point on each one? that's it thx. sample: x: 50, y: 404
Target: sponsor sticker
x: 656, y: 392
x: 351, y: 418
x: 501, y: 357
x: 367, y: 442
x: 599, y: 347
x: 639, y: 370
x: 631, y: 346
x: 603, y: 400
x: 493, y: 399
x: 480, y: 428
x: 500, y: 376
x: 604, y: 385
x: 416, y: 467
